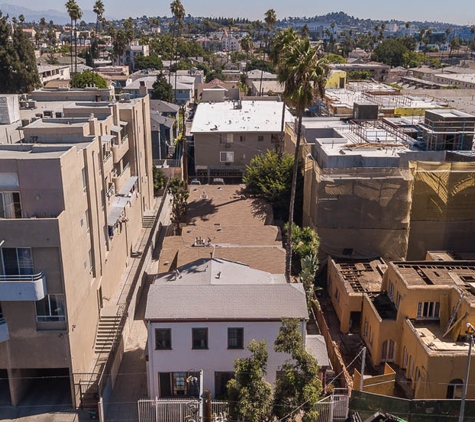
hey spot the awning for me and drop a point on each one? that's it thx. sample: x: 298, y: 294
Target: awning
x: 122, y: 123
x: 116, y: 129
x: 128, y: 185
x: 116, y: 211
x: 105, y: 139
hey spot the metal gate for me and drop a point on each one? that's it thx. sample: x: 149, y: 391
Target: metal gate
x: 179, y: 410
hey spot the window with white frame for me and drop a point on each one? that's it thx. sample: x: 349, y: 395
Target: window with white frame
x: 51, y: 309
x: 226, y: 156
x: 428, y: 310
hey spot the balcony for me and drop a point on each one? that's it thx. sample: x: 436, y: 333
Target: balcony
x: 4, y: 335
x: 121, y: 178
x: 120, y: 148
x: 108, y: 163
x: 20, y: 288
x: 35, y: 231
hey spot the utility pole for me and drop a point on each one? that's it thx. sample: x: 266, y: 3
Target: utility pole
x: 363, y: 359
x: 185, y: 155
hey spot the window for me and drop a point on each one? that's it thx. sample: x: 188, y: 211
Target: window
x: 428, y: 310
x: 404, y: 358
x: 163, y: 339
x: 235, y: 338
x: 260, y: 138
x: 365, y: 329
x: 398, y: 299
x: 387, y: 354
x: 10, y: 206
x: 391, y: 291
x: 84, y: 180
x: 88, y: 227
x: 51, y: 309
x: 370, y: 336
x: 226, y: 156
x: 16, y: 261
x: 90, y: 261
x: 179, y: 384
x: 411, y: 368
x: 242, y: 138
x: 454, y: 389
x: 221, y: 380
x: 199, y: 338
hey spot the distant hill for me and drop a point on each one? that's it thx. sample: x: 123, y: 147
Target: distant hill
x: 58, y: 17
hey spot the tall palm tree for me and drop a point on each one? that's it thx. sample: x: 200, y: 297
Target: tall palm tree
x: 178, y: 11
x: 98, y: 9
x: 75, y: 13
x: 270, y: 20
x: 303, y: 72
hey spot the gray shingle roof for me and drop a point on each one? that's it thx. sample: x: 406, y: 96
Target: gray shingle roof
x: 226, y: 302
x: 316, y: 346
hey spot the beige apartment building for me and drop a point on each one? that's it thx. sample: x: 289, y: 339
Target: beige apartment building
x: 73, y: 194
x: 412, y: 315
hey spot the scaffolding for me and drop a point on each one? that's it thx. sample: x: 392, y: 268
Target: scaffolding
x: 442, y: 134
x: 377, y: 133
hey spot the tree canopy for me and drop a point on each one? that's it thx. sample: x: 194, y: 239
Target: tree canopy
x: 270, y: 177
x: 18, y: 70
x: 391, y: 52
x: 148, y: 62
x: 249, y: 394
x: 88, y: 78
x: 162, y: 90
x: 298, y: 389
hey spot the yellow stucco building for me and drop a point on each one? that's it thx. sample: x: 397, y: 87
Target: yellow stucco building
x: 416, y: 320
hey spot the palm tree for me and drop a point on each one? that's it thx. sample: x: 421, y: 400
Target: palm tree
x: 98, y: 9
x: 75, y: 13
x: 303, y: 72
x: 270, y: 21
x: 246, y: 44
x: 178, y: 11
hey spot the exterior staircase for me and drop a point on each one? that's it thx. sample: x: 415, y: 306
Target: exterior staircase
x: 107, y: 329
x: 148, y: 220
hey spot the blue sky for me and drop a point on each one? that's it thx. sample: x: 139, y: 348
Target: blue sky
x: 459, y: 12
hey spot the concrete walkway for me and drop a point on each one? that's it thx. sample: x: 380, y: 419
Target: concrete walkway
x: 131, y: 384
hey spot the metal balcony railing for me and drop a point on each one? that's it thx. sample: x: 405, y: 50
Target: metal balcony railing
x: 21, y: 277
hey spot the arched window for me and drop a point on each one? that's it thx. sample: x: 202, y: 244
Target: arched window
x: 387, y: 353
x: 454, y: 389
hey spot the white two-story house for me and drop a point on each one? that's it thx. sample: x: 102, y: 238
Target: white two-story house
x: 203, y: 315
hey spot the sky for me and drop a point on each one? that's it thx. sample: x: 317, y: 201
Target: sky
x: 458, y: 12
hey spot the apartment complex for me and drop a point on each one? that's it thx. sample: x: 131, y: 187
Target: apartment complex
x: 394, y: 187
x: 412, y: 314
x: 228, y: 134
x: 73, y: 192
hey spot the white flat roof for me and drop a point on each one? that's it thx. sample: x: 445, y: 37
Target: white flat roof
x: 253, y: 116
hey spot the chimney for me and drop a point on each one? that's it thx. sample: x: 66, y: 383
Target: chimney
x: 142, y: 89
